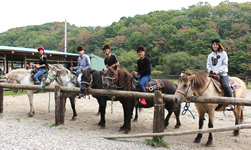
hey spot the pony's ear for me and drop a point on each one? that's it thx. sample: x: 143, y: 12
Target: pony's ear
x: 49, y: 65
x: 92, y: 71
x: 191, y: 77
x: 115, y: 67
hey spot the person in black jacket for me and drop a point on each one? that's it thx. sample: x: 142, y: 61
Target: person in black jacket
x: 42, y: 65
x: 144, y: 70
x: 111, y: 59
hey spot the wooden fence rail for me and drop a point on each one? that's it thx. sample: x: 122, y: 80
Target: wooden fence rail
x: 131, y: 94
x: 198, y: 131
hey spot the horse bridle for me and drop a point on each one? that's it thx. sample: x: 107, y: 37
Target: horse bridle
x: 192, y: 87
x: 88, y: 83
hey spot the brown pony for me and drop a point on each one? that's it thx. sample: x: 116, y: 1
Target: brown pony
x: 122, y: 80
x: 199, y: 84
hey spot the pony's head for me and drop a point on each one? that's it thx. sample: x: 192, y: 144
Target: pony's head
x: 54, y: 71
x: 110, y: 77
x: 184, y: 87
x: 86, y: 80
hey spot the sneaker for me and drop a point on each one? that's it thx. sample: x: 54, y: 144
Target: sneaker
x: 143, y: 101
x: 230, y: 107
x: 80, y: 95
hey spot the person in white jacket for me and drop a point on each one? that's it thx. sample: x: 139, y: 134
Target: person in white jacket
x: 217, y: 63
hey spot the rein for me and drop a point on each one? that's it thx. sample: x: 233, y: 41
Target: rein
x: 18, y: 81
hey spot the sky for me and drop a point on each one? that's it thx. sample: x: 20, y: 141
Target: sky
x: 20, y: 13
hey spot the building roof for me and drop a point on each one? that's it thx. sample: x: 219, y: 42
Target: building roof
x: 32, y: 50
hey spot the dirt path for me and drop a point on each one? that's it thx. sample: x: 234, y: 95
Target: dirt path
x: 16, y: 109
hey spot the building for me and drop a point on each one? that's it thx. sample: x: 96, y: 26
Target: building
x: 19, y: 57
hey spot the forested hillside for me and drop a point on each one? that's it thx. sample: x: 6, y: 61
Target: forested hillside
x: 175, y: 40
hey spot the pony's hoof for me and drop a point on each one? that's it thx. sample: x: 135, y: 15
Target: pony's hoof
x: 135, y: 120
x: 209, y: 144
x: 236, y: 133
x: 73, y: 118
x: 177, y: 126
x: 102, y: 125
x: 29, y: 115
x: 196, y: 141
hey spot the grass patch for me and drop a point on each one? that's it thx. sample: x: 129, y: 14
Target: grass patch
x: 52, y: 125
x: 157, y: 142
x: 5, y: 93
x: 1, y: 116
x: 18, y: 119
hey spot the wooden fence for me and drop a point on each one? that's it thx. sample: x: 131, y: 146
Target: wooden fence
x: 158, y: 97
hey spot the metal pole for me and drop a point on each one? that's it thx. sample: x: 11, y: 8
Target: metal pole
x: 65, y: 37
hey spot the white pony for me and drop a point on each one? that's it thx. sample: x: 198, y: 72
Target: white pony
x: 63, y: 77
x: 22, y: 76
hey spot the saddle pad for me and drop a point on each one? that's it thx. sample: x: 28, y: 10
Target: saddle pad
x: 154, y: 84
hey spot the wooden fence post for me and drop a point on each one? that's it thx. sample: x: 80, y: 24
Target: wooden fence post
x: 246, y: 80
x: 1, y: 100
x: 62, y: 107
x: 57, y: 105
x: 159, y: 112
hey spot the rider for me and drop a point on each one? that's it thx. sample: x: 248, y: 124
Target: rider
x: 217, y: 63
x: 42, y: 65
x: 144, y: 69
x: 111, y: 60
x: 84, y: 63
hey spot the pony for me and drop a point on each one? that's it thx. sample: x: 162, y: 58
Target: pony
x: 199, y: 84
x: 22, y: 76
x: 93, y: 79
x: 122, y: 80
x: 63, y: 77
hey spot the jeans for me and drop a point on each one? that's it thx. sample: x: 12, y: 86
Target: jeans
x: 79, y: 79
x: 225, y: 85
x: 143, y: 81
x: 39, y: 73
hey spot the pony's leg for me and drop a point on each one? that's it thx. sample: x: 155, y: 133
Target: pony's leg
x: 201, y: 120
x: 177, y: 115
x: 167, y: 118
x: 102, y: 105
x: 128, y: 109
x: 99, y: 107
x: 30, y: 96
x: 72, y: 100
x: 210, y: 125
x: 136, y: 114
x: 238, y: 113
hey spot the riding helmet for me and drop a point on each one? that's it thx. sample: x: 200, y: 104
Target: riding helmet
x: 216, y: 40
x: 40, y: 47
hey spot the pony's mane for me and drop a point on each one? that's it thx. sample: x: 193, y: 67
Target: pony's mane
x: 124, y: 71
x: 59, y: 66
x: 199, y: 80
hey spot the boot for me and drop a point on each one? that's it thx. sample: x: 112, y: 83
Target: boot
x: 37, y: 82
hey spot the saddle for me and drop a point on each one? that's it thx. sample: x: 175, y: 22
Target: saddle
x: 150, y: 86
x: 232, y: 84
x: 41, y: 78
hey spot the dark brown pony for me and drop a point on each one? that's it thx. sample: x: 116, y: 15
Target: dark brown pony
x: 121, y: 79
x: 199, y: 84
